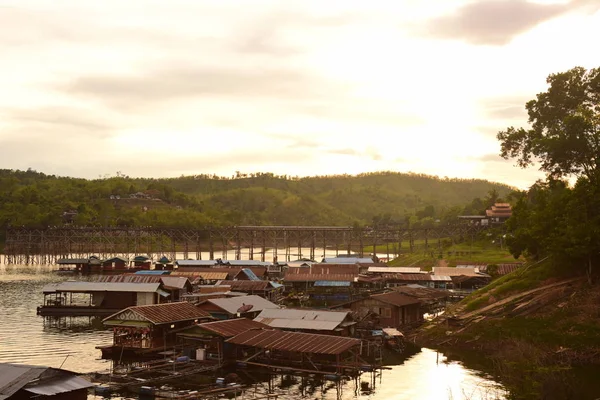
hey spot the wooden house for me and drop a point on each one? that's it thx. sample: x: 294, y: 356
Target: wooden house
x: 114, y: 264
x: 71, y: 298
x: 164, y: 264
x: 24, y: 382
x: 392, y: 309
x: 265, y: 289
x: 141, y: 262
x: 206, y: 341
x: 142, y: 330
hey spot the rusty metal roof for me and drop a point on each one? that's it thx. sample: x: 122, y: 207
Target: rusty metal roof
x: 207, y: 276
x: 38, y: 380
x: 302, y: 319
x: 159, y: 314
x: 233, y: 304
x: 320, y: 277
x: 295, y: 341
x: 130, y: 278
x: 249, y: 285
x: 231, y: 327
x: 231, y: 271
x: 399, y: 270
x: 462, y: 271
x: 395, y: 299
x: 175, y: 282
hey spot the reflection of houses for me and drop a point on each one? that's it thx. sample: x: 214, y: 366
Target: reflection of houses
x: 149, y: 329
x: 235, y: 307
x: 206, y: 341
x: 22, y: 382
x: 312, y: 321
x: 393, y: 309
x: 296, y: 351
x: 98, y: 298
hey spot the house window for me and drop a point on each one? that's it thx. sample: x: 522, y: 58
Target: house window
x: 385, y: 312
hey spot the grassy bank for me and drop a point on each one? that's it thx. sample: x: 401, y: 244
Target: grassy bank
x: 538, y: 327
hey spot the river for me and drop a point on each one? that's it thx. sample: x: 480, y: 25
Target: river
x: 70, y: 342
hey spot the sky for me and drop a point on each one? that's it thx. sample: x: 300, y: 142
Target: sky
x: 167, y: 88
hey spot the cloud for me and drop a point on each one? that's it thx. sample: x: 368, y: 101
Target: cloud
x: 497, y: 22
x: 505, y: 108
x: 59, y: 117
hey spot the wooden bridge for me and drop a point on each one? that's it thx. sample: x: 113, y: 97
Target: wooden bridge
x: 45, y: 246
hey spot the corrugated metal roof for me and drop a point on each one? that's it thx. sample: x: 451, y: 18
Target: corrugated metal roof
x: 249, y: 285
x: 421, y: 292
x: 256, y: 263
x: 85, y: 287
x: 348, y: 260
x: 320, y: 277
x: 397, y: 270
x: 207, y: 276
x: 249, y: 273
x: 176, y: 282
x: 162, y: 313
x: 332, y: 283
x: 130, y: 278
x: 59, y: 385
x: 231, y: 271
x: 233, y: 304
x: 295, y: 341
x: 152, y: 272
x: 199, y: 263
x: 302, y: 319
x: 231, y: 327
x: 395, y: 299
x: 392, y: 332
x: 450, y: 271
x: 14, y: 376
x: 305, y: 314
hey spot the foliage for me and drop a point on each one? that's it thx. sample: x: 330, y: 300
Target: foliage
x: 565, y: 127
x: 33, y: 199
x: 552, y: 218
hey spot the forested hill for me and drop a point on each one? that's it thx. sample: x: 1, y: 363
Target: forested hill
x: 31, y: 198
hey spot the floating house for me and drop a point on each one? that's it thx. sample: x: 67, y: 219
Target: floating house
x: 143, y: 330
x: 175, y: 286
x: 295, y: 351
x: 73, y: 298
x: 466, y: 278
x: 312, y: 321
x: 22, y: 382
x: 206, y: 341
x: 236, y: 307
x: 392, y: 309
x: 141, y: 262
x: 114, y: 264
x: 232, y: 272
x: 83, y: 265
x: 164, y: 264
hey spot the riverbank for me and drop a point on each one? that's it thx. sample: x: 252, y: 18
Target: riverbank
x: 536, y: 329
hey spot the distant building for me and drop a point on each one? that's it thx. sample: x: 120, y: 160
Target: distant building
x: 497, y: 214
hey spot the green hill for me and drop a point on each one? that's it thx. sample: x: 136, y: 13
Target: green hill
x: 32, y: 198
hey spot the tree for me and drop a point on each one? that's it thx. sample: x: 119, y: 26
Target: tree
x: 552, y: 218
x: 565, y: 127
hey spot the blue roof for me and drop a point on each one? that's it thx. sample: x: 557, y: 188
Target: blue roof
x: 332, y: 283
x: 251, y: 275
x: 152, y: 272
